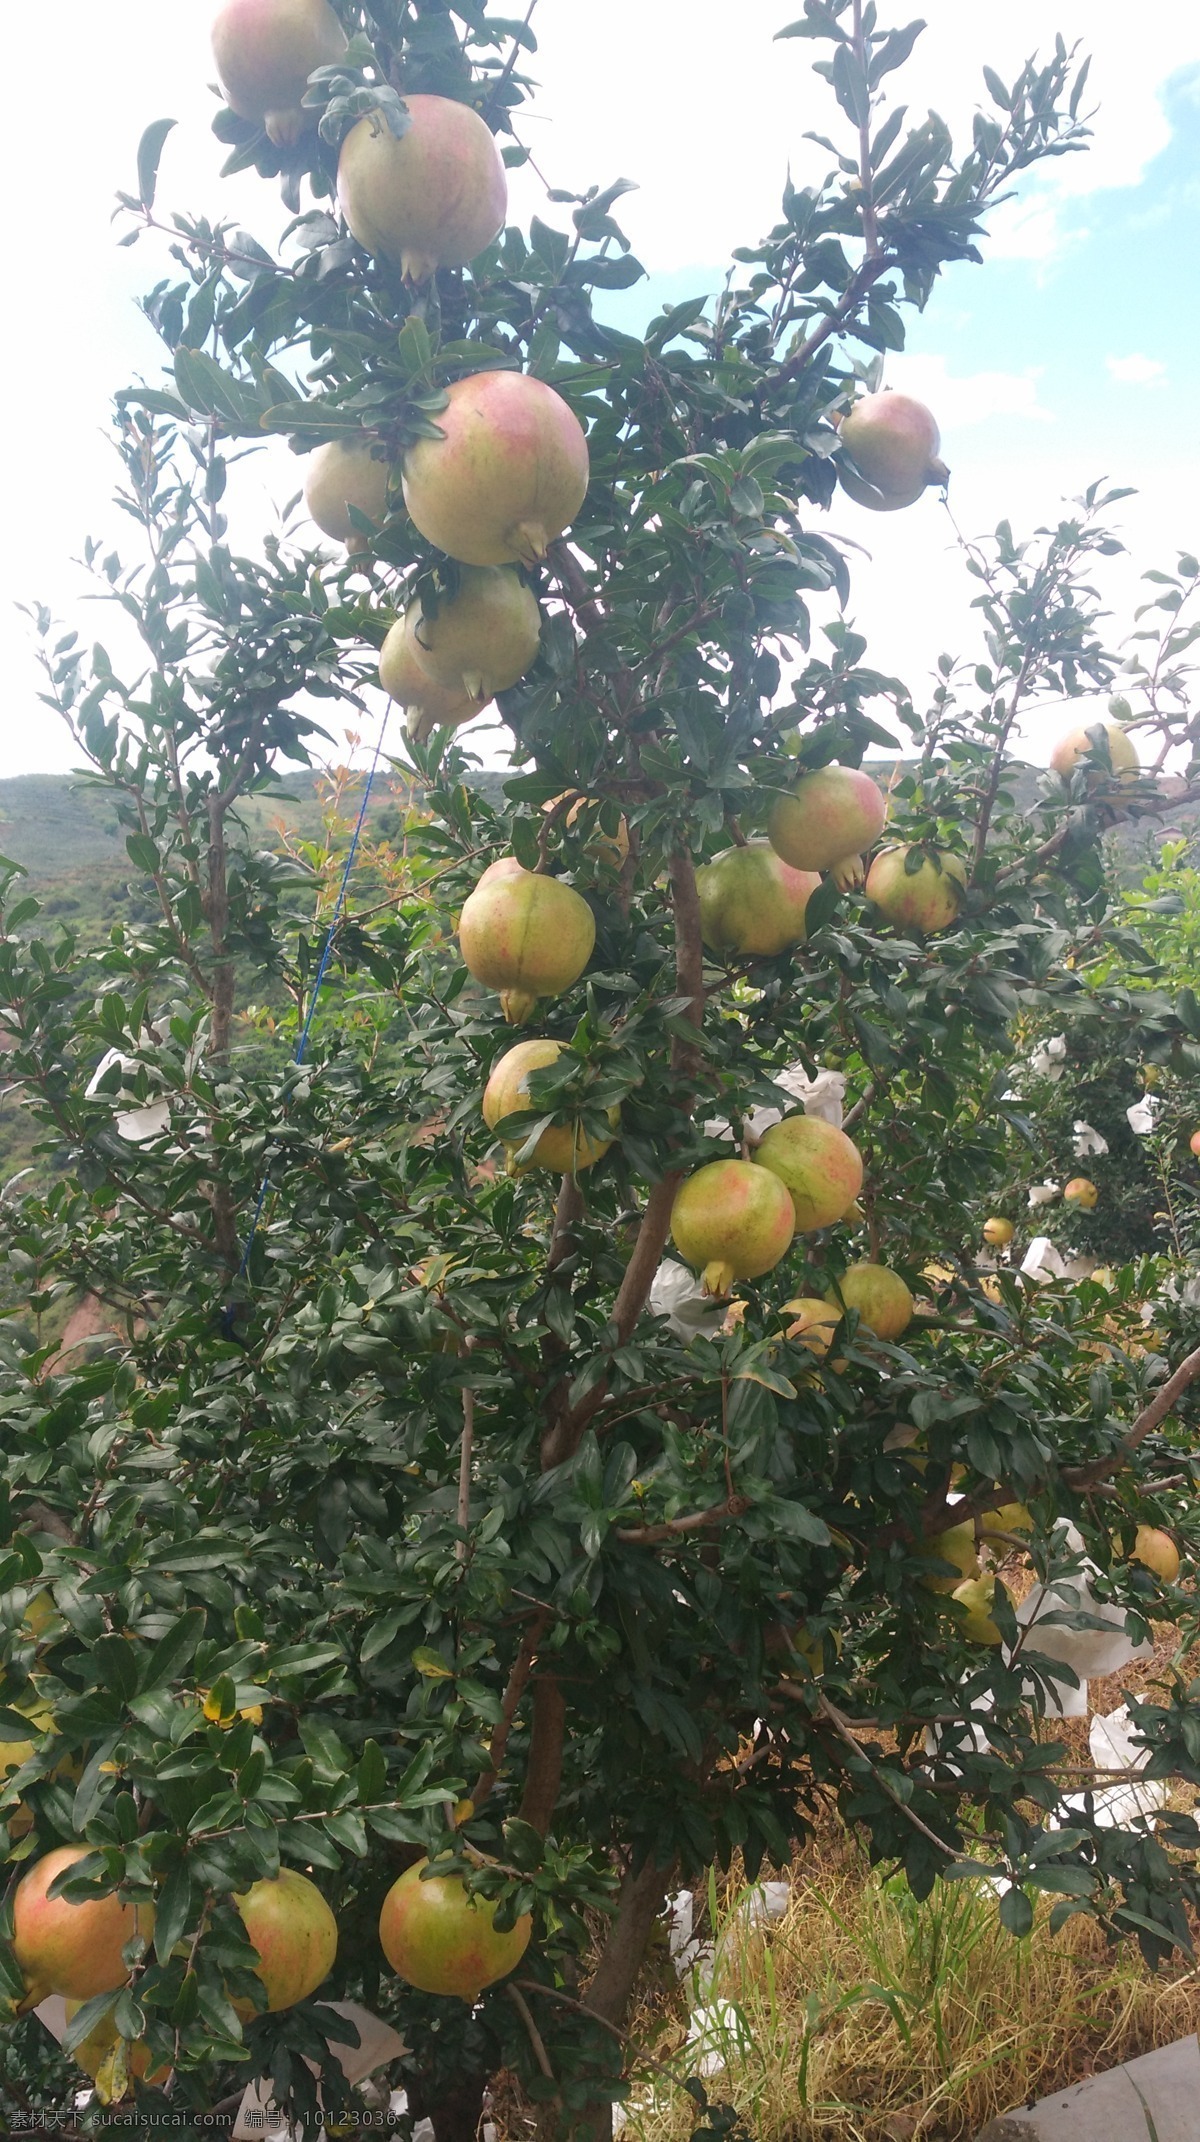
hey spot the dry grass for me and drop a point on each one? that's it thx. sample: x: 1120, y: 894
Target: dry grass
x: 863, y: 2016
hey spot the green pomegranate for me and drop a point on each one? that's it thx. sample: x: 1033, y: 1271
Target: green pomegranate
x: 562, y: 1147
x: 71, y: 1949
x: 881, y: 1298
x: 977, y: 1596
x: 295, y: 1934
x: 431, y: 198
x: 732, y: 1220
x: 820, y: 1168
x: 956, y: 1545
x: 429, y: 706
x: 925, y: 899
x: 483, y: 638
x: 752, y: 903
x: 889, y: 451
x: 265, y: 51
x: 441, y: 1939
x: 525, y: 934
x: 508, y: 474
x: 341, y: 476
x: 831, y: 815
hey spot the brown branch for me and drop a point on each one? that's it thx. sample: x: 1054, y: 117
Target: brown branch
x: 1085, y: 1476
x: 535, y: 2037
x: 842, y: 1729
x: 562, y: 1440
x: 567, y: 1212
x: 575, y: 584
x: 861, y: 283
x: 522, y: 1667
x: 543, y: 1775
x: 677, y: 1527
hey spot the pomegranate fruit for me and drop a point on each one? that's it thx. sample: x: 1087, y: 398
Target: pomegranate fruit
x: 830, y: 817
x: 112, y: 2061
x: 508, y: 475
x: 925, y: 899
x: 265, y: 51
x: 812, y: 1322
x: 341, y: 476
x: 1079, y: 1191
x: 733, y: 1220
x: 977, y: 1597
x: 295, y: 1934
x: 72, y: 1949
x: 527, y: 935
x: 429, y: 706
x: 955, y: 1545
x: 889, y: 451
x: 480, y: 640
x: 820, y: 1168
x: 752, y: 903
x: 998, y: 1232
x: 1078, y: 742
x: 1156, y: 1550
x: 441, y: 1939
x: 562, y: 1147
x: 881, y: 1298
x: 431, y: 198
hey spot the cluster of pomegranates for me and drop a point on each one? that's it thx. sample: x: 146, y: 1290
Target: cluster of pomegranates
x: 433, y: 1931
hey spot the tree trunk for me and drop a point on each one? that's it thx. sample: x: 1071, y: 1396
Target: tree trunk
x: 615, y: 1978
x: 456, y: 2109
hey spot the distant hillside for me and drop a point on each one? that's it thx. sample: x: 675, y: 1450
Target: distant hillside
x: 62, y: 831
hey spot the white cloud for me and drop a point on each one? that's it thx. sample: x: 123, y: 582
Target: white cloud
x: 963, y: 399
x: 1137, y: 371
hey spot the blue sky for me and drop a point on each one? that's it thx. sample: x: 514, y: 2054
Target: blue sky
x: 1070, y: 355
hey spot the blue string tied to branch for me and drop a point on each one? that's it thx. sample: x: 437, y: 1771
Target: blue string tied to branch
x: 232, y: 1307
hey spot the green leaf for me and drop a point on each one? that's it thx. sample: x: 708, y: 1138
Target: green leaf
x: 431, y: 1665
x: 1016, y: 1912
x: 173, y: 1909
x: 150, y: 150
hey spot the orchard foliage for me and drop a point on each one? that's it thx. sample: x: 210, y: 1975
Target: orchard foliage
x: 402, y: 1496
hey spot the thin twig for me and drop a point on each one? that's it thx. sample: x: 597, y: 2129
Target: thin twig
x: 535, y: 2037
x: 466, y: 1450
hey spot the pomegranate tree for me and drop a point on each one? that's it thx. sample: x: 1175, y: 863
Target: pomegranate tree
x: 484, y: 1469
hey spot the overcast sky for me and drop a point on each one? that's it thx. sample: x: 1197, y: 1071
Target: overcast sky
x: 1071, y: 355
